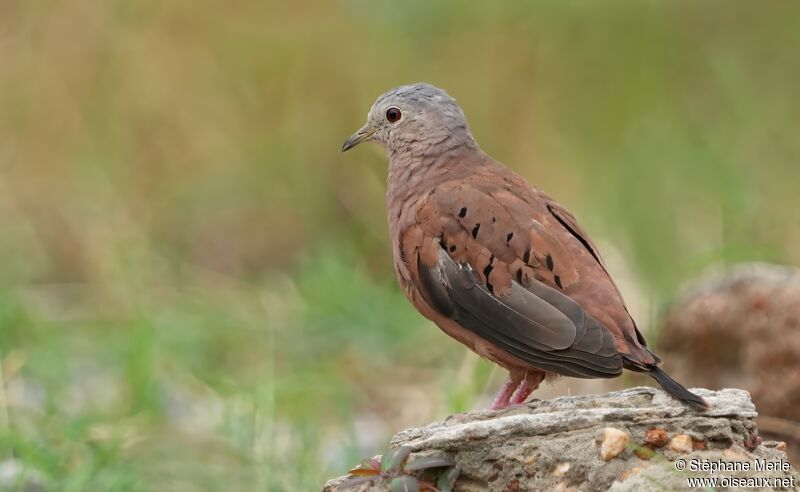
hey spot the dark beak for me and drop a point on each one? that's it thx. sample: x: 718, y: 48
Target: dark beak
x: 363, y: 134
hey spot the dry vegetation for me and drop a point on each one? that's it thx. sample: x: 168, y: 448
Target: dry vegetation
x: 196, y: 292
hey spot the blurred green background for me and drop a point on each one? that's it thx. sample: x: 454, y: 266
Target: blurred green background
x: 196, y: 289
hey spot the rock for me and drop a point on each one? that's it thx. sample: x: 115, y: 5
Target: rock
x: 551, y: 444
x: 736, y: 453
x: 613, y: 443
x: 656, y: 437
x: 740, y: 328
x: 16, y: 476
x: 681, y: 444
x: 561, y: 469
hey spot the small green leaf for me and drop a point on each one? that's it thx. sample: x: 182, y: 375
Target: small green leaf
x: 447, y: 480
x: 434, y: 461
x: 393, y: 458
x: 406, y: 483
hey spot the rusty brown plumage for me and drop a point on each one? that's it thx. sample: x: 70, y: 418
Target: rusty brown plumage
x: 495, y: 262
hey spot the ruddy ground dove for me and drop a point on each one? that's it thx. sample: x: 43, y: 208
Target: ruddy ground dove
x: 494, y: 262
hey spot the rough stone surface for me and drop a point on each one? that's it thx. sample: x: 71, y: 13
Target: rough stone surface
x: 555, y: 444
x: 14, y: 475
x: 741, y: 328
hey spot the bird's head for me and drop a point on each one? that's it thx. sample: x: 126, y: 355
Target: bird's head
x: 413, y: 116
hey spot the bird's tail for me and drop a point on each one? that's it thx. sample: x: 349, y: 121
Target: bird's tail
x: 677, y: 391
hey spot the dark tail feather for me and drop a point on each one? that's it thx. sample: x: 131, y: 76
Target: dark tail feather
x: 677, y: 391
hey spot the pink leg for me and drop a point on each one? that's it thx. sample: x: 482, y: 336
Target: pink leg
x: 502, y: 400
x: 529, y: 383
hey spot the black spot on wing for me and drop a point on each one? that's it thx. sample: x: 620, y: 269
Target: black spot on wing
x: 539, y: 325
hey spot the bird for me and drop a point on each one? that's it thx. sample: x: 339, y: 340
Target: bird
x: 493, y: 261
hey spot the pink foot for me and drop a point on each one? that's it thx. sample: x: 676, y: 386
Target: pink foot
x: 526, y: 387
x: 516, y: 390
x: 502, y: 400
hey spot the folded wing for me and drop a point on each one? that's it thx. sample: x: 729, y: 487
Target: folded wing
x: 481, y: 263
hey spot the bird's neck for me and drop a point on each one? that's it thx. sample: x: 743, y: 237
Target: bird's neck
x: 415, y: 171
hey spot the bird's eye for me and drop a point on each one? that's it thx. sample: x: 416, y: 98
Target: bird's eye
x: 393, y: 114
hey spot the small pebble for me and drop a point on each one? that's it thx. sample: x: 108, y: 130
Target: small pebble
x: 736, y: 453
x: 614, y: 442
x: 656, y: 437
x: 681, y: 444
x: 628, y: 473
x: 561, y: 469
